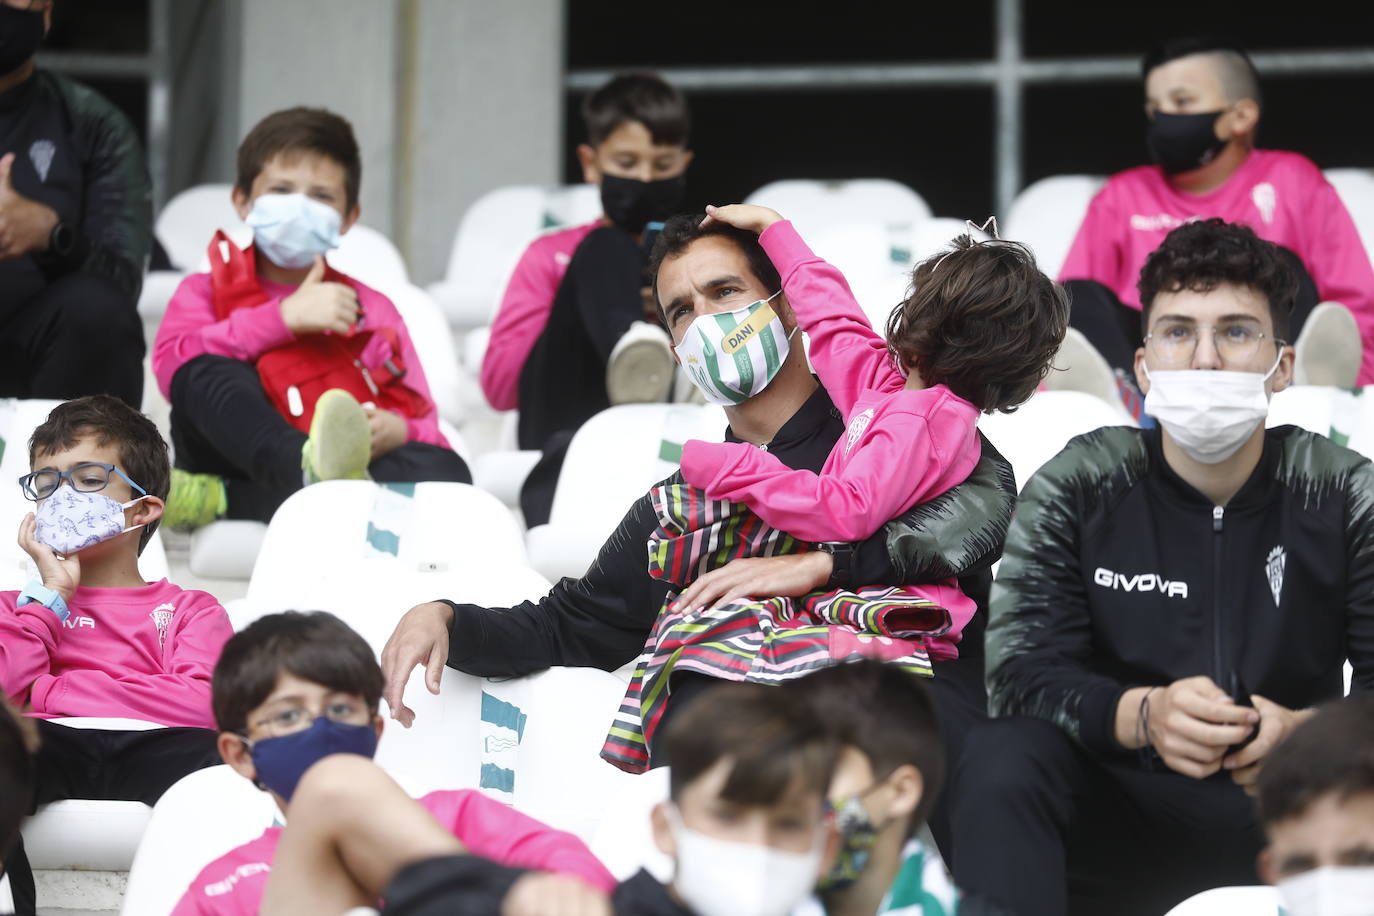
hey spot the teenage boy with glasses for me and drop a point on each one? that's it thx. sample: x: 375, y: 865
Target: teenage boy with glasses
x: 1171, y: 604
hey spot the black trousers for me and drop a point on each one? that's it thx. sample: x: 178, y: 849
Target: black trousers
x: 1049, y: 828
x: 98, y: 763
x: 223, y: 423
x: 1115, y: 330
x: 563, y: 381
x: 79, y: 335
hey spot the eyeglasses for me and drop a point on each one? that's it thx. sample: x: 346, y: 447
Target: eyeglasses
x: 292, y: 719
x: 87, y: 477
x: 1174, y: 343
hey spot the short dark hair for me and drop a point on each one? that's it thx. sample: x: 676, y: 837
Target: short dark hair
x: 301, y: 130
x: 886, y: 712
x: 644, y: 97
x: 315, y: 646
x: 1331, y: 753
x: 982, y: 319
x: 1237, y: 73
x: 1201, y: 255
x: 142, y: 450
x: 18, y: 741
x: 682, y: 230
x: 778, y: 743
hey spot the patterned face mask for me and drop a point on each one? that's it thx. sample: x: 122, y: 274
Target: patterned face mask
x: 858, y: 834
x: 732, y: 356
x: 70, y: 520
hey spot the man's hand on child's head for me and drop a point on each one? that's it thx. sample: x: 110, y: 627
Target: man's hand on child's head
x: 388, y: 430
x: 317, y: 306
x: 749, y: 217
x: 61, y: 574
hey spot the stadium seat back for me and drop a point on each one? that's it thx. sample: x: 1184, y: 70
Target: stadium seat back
x: 189, y: 220
x: 1230, y: 901
x: 368, y: 256
x: 811, y: 204
x: 1356, y: 190
x: 624, y: 842
x: 1041, y: 428
x: 429, y: 332
x: 1046, y: 216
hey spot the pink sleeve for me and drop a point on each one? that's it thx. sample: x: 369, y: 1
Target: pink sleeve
x: 28, y: 638
x: 848, y: 355
x: 894, y: 466
x: 505, y: 836
x: 180, y: 696
x: 1338, y: 261
x: 519, y: 321
x: 1096, y: 250
x: 189, y: 329
x: 382, y: 312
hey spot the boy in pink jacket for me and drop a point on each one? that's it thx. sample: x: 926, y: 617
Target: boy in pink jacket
x: 1202, y: 101
x: 243, y: 350
x: 295, y: 687
x: 89, y: 637
x: 975, y: 335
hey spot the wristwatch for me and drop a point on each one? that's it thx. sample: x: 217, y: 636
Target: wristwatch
x: 36, y: 593
x: 62, y: 240
x: 842, y: 560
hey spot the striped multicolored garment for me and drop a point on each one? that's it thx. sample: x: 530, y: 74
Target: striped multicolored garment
x: 758, y: 640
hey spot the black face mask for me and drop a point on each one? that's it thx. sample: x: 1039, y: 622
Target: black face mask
x: 1183, y: 142
x: 21, y: 31
x: 631, y: 204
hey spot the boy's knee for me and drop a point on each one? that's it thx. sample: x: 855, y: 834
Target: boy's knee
x: 331, y: 781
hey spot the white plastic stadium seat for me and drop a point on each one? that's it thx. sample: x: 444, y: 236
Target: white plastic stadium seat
x: 18, y: 418
x: 1046, y: 216
x: 624, y: 842
x: 88, y: 834
x: 341, y: 531
x: 494, y: 232
x: 188, y: 221
x: 863, y: 251
x: 429, y: 333
x: 613, y: 460
x: 813, y: 204
x: 1231, y: 901
x: 370, y: 257
x: 158, y: 287
x: 1356, y: 190
x: 1041, y: 428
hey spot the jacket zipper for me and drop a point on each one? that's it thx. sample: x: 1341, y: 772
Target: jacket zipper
x: 367, y: 377
x: 1217, y: 513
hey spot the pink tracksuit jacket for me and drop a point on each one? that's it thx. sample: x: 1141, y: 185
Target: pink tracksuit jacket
x: 1282, y: 196
x: 525, y: 310
x: 901, y: 448
x: 233, y: 884
x: 189, y: 329
x: 137, y: 653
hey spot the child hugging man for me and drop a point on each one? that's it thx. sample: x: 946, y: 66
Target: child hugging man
x: 295, y: 687
x: 576, y: 332
x: 91, y: 637
x: 281, y: 371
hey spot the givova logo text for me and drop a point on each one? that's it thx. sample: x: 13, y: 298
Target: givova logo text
x: 1140, y: 582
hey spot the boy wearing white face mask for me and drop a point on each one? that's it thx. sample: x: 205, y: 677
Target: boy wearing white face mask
x: 90, y: 637
x: 1171, y: 603
x: 267, y: 357
x: 1316, y: 801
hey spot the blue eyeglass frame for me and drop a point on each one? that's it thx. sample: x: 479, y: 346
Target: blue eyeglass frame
x: 26, y: 482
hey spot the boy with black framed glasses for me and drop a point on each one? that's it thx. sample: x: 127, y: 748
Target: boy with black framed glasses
x: 89, y: 637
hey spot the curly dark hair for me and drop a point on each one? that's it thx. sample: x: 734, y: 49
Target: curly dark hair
x: 684, y: 229
x: 983, y: 320
x: 1202, y: 255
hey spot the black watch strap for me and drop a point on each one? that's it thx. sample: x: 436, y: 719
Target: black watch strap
x: 842, y: 559
x: 62, y: 240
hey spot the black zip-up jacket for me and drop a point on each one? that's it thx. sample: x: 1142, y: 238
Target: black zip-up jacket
x: 1117, y: 574
x: 78, y: 154
x: 602, y: 619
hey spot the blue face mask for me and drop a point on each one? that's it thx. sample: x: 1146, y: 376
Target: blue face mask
x: 281, y: 762
x: 291, y: 229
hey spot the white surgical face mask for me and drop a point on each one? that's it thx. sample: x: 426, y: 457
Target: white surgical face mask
x: 1209, y: 413
x: 1330, y: 891
x: 70, y: 520
x: 291, y: 229
x: 722, y: 878
x: 732, y: 356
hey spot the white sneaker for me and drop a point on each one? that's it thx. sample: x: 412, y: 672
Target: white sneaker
x: 640, y: 370
x: 1328, y: 351
x: 1079, y: 367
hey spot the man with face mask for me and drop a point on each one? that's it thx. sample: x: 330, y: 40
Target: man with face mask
x: 1202, y: 107
x: 75, y: 228
x: 576, y: 332
x: 1170, y: 605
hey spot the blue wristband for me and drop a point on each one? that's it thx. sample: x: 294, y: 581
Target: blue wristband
x: 36, y: 593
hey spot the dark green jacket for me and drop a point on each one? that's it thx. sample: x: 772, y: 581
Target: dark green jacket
x: 1117, y: 573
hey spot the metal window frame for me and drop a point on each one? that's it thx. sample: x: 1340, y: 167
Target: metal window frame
x: 1008, y: 74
